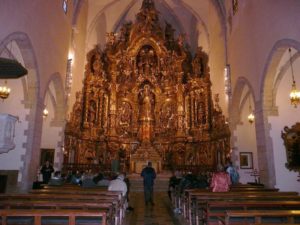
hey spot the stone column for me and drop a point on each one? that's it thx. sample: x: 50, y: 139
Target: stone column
x: 31, y: 158
x: 264, y: 146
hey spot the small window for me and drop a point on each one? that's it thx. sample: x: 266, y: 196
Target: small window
x: 65, y: 6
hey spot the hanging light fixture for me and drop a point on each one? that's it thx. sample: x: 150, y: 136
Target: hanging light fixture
x: 294, y: 94
x: 251, y: 116
x: 4, y: 91
x: 45, y: 111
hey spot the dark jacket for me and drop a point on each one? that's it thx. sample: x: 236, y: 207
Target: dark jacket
x: 148, y: 173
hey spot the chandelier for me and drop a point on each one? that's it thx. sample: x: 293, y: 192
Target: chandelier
x: 45, y: 113
x: 4, y: 91
x: 294, y: 94
x: 251, y: 116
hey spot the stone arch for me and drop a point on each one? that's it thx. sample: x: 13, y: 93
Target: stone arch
x: 267, y: 107
x: 31, y: 84
x: 52, y: 132
x: 31, y: 90
x: 270, y: 82
x: 239, y: 100
x: 57, y: 98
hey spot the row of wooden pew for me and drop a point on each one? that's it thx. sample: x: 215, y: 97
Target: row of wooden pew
x: 243, y: 204
x: 68, y: 204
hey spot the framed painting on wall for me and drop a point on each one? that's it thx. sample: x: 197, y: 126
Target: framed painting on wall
x: 246, y: 160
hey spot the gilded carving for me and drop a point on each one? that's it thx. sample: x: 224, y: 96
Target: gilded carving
x: 291, y: 137
x: 144, y: 90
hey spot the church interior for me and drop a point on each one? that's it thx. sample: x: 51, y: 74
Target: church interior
x: 188, y: 85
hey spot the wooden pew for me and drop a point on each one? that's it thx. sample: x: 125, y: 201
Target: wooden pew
x: 193, y: 194
x: 258, y: 216
x: 178, y: 198
x: 214, y: 210
x: 86, y: 192
x: 38, y: 214
x: 108, y: 207
x: 194, y: 197
x: 114, y: 199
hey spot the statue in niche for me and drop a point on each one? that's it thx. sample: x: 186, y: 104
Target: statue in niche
x: 96, y: 65
x: 125, y: 112
x: 76, y: 114
x: 200, y: 63
x: 201, y: 117
x: 92, y: 112
x: 291, y: 137
x: 147, y: 103
x: 146, y: 61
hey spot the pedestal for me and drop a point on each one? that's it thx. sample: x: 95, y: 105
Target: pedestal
x: 139, y: 165
x: 144, y: 154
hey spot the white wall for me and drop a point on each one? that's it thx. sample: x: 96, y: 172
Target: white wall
x: 245, y: 137
x: 12, y: 160
x: 287, y: 116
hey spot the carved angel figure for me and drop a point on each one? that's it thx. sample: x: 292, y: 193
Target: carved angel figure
x: 291, y: 137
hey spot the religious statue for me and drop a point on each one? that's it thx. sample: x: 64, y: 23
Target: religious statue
x: 147, y: 102
x: 92, y: 112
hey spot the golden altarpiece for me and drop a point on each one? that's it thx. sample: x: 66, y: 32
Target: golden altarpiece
x: 146, y: 95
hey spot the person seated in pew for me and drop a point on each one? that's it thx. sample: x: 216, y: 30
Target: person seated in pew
x: 46, y: 171
x: 98, y: 178
x: 127, y: 181
x: 119, y: 184
x: 220, y: 181
x: 56, y: 180
x: 76, y: 178
x: 87, y: 180
x: 233, y: 173
x: 190, y: 181
x: 174, y: 181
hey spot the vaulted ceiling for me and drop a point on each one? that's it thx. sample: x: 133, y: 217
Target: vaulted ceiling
x: 200, y: 20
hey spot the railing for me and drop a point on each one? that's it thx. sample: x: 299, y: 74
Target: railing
x: 106, y: 168
x: 95, y: 168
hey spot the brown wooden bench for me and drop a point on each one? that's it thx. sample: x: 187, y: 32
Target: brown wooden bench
x: 108, y: 207
x: 193, y: 194
x: 118, y: 208
x: 86, y: 192
x: 38, y: 214
x: 194, y: 197
x: 257, y: 216
x: 213, y: 210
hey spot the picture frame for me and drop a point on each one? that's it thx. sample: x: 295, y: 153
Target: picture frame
x: 246, y: 160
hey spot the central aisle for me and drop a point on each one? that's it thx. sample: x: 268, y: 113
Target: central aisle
x: 159, y: 214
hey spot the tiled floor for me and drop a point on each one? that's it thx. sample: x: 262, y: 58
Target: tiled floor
x: 159, y: 214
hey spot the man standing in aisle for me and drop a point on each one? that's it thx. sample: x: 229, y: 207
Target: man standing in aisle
x: 149, y: 174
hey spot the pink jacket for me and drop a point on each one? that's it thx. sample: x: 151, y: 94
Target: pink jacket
x: 220, y: 182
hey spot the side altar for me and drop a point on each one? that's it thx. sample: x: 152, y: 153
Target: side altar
x: 146, y: 98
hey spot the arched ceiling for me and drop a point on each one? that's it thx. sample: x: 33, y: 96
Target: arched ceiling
x: 199, y: 20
